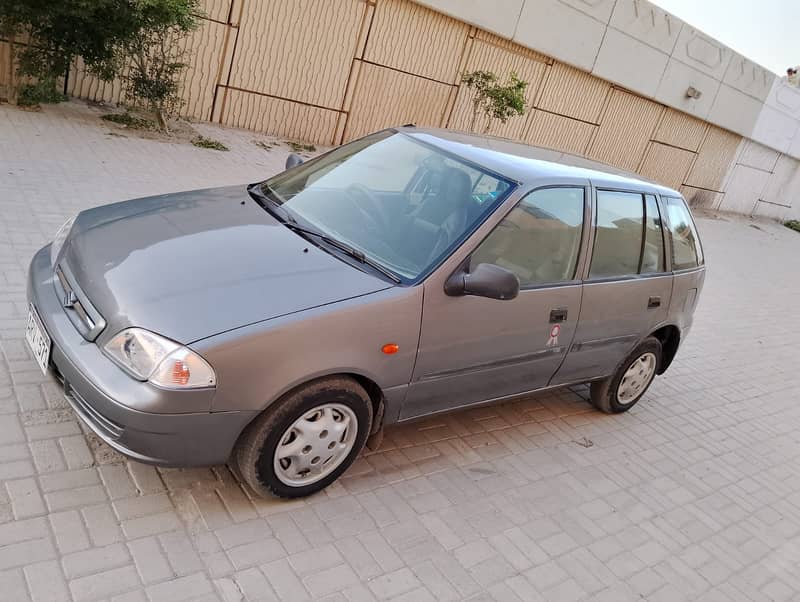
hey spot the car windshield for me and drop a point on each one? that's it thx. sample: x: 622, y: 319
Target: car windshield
x: 402, y: 203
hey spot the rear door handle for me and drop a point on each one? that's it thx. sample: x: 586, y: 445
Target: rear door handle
x: 653, y: 302
x: 558, y: 315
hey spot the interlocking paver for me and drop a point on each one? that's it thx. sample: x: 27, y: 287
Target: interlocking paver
x: 694, y: 494
x: 150, y: 561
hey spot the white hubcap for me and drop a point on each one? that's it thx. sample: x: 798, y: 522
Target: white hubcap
x: 315, y: 445
x: 637, y: 378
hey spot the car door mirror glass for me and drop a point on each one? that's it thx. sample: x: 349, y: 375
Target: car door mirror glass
x: 293, y: 160
x: 486, y: 280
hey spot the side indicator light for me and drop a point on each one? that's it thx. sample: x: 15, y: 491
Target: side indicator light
x: 390, y: 348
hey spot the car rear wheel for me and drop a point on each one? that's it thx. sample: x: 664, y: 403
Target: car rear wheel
x: 302, y: 443
x: 621, y: 391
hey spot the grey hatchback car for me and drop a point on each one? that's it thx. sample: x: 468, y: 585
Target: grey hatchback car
x: 407, y: 273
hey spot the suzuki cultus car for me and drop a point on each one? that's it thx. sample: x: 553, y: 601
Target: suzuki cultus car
x: 410, y: 272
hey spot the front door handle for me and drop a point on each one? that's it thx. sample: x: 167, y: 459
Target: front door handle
x: 558, y: 315
x: 653, y: 302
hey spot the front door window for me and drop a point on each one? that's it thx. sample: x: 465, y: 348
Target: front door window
x: 539, y: 239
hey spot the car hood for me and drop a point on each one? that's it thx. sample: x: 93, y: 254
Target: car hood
x: 190, y: 265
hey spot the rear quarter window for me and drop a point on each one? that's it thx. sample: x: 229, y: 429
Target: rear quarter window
x: 686, y: 250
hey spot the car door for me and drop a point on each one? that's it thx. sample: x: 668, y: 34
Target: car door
x: 627, y: 289
x: 474, y: 349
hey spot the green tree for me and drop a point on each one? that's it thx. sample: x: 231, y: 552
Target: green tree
x: 57, y: 32
x: 494, y: 99
x: 156, y: 52
x: 14, y: 16
x: 140, y: 39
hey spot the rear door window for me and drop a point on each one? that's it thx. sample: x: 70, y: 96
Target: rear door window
x: 686, y: 250
x: 618, y: 236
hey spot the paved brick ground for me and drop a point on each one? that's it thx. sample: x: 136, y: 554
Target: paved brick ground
x: 692, y: 495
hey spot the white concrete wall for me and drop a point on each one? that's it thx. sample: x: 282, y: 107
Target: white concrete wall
x: 637, y: 45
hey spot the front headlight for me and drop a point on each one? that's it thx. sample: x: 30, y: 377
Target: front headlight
x: 165, y: 363
x: 59, y: 238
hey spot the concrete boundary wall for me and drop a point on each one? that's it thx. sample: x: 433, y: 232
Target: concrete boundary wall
x: 607, y: 80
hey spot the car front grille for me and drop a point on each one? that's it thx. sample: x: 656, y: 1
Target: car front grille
x: 79, y: 309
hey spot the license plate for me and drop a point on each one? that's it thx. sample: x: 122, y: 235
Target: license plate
x: 37, y: 339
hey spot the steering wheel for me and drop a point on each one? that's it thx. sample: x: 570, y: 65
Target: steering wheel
x: 377, y: 218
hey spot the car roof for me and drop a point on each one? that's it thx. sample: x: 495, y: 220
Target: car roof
x: 524, y: 163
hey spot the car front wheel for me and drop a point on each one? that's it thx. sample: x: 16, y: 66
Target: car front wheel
x: 620, y: 392
x: 302, y: 443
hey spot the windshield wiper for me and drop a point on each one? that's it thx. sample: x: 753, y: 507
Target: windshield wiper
x: 359, y: 256
x: 287, y: 219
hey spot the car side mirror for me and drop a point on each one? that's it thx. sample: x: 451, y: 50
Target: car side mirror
x: 293, y: 160
x: 486, y: 280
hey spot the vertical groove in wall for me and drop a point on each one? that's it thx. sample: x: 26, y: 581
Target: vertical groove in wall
x: 224, y: 103
x: 205, y: 53
x: 365, y: 29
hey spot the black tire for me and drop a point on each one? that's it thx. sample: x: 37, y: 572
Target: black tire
x: 604, y: 393
x: 255, y: 449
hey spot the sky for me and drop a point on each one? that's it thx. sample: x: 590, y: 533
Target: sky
x: 766, y: 31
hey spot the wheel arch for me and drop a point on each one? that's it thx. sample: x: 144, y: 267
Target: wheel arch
x: 669, y: 336
x: 370, y: 386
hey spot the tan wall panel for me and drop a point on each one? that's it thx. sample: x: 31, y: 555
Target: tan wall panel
x: 4, y: 69
x: 680, y: 129
x: 499, y: 59
x: 384, y: 97
x: 568, y: 91
x: 412, y: 38
x: 666, y: 165
x: 757, y: 155
x: 278, y: 117
x: 625, y: 128
x: 298, y: 49
x: 701, y: 198
x: 559, y: 133
x: 216, y: 9
x: 714, y: 159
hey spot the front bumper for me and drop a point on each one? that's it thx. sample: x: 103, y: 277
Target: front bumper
x: 130, y: 416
